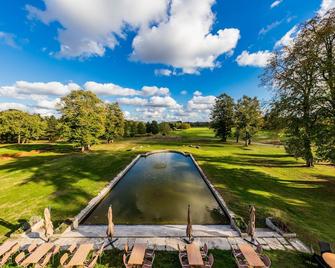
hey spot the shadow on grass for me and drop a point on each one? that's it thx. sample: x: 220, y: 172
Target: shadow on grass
x: 76, y: 178
x: 21, y: 224
x: 43, y: 147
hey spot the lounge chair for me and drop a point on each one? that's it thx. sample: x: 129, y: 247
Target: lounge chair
x: 239, y: 258
x: 266, y: 260
x: 183, y: 261
x: 324, y: 248
x: 75, y: 252
x: 127, y: 250
x: 149, y: 262
x: 125, y: 262
x: 259, y: 249
x: 210, y: 262
x: 204, y: 251
x: 24, y: 253
x: 182, y: 251
x: 149, y: 253
x: 7, y: 250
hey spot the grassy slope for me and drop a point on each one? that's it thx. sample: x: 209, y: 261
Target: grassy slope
x: 261, y: 174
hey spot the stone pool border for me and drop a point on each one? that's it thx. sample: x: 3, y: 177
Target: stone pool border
x: 94, y: 201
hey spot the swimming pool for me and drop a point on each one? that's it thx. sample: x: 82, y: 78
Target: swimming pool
x: 157, y: 190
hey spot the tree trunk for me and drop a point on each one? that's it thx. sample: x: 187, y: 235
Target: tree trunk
x: 308, y: 153
x: 237, y: 138
x: 249, y: 141
x: 19, y: 139
x: 82, y: 148
x: 246, y: 142
x: 224, y: 139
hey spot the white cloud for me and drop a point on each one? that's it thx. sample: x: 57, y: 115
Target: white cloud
x: 88, y: 27
x: 288, y: 38
x: 183, y: 92
x: 132, y: 101
x: 167, y: 101
x: 22, y: 89
x: 12, y: 105
x: 8, y: 39
x: 257, y: 59
x: 276, y: 3
x: 163, y: 72
x: 270, y: 27
x: 200, y: 103
x: 197, y: 93
x: 184, y: 40
x: 153, y: 90
x: 47, y: 104
x: 110, y: 89
x: 325, y: 6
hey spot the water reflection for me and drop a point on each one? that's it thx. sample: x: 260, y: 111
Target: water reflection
x: 157, y: 190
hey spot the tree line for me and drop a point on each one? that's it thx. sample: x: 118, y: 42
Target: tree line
x: 84, y: 120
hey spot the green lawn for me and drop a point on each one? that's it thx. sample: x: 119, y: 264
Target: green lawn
x: 261, y: 174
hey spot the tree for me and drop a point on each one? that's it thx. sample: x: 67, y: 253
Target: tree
x: 52, y: 128
x: 154, y: 127
x: 141, y: 129
x: 133, y: 128
x: 222, y: 116
x: 293, y: 72
x: 164, y: 128
x: 184, y: 126
x: 20, y: 127
x: 321, y: 30
x: 248, y: 117
x: 83, y: 118
x: 115, y: 123
x: 148, y: 127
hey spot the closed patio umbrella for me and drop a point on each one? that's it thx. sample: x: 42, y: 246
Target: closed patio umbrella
x: 48, y: 227
x: 110, y: 227
x: 189, y: 224
x: 252, y: 222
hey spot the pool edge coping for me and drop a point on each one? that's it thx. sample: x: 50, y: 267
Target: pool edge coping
x: 95, y: 200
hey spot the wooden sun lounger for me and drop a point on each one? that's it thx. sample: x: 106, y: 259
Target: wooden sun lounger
x: 7, y: 250
x: 39, y: 256
x: 77, y: 256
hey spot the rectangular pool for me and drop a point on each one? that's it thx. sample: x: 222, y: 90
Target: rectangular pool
x: 157, y: 190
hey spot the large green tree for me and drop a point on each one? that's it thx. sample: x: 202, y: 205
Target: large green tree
x: 222, y: 116
x: 141, y: 129
x: 83, y: 118
x: 293, y: 73
x: 154, y: 127
x: 115, y: 122
x: 248, y: 117
x: 21, y: 127
x: 321, y: 30
x: 164, y: 128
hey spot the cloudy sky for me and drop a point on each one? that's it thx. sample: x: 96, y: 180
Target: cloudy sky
x: 160, y: 59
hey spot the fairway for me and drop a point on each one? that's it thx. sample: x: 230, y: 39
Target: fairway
x: 55, y: 175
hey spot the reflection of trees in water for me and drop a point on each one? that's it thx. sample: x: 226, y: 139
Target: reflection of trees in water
x: 217, y: 215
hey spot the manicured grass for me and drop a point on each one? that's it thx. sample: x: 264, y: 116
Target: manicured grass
x: 261, y: 174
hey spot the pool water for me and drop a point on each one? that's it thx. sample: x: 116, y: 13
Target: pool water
x: 157, y: 190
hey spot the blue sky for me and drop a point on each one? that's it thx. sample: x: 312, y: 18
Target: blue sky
x: 160, y: 59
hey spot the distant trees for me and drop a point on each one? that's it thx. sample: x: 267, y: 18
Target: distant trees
x: 154, y: 127
x: 20, y: 127
x: 222, y: 116
x: 83, y: 118
x: 248, y: 118
x: 164, y: 128
x: 115, y: 122
x: 245, y: 116
x: 303, y: 77
x: 141, y: 129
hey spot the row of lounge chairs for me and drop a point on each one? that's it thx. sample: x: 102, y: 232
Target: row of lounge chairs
x: 40, y: 255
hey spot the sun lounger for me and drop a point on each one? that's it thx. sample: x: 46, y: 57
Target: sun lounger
x: 7, y: 250
x: 77, y: 256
